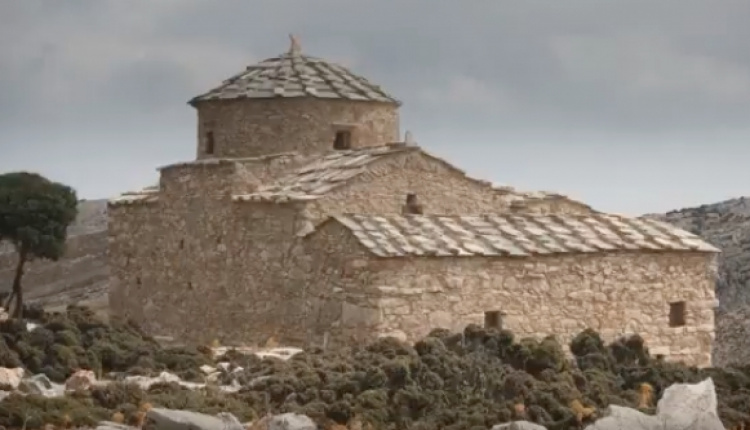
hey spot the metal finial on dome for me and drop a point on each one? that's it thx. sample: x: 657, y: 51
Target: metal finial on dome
x: 294, y: 46
x: 409, y: 139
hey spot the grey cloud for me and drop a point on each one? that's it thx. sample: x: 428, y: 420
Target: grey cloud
x: 96, y: 72
x: 513, y: 49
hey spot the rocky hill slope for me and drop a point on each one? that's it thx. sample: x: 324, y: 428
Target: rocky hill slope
x: 726, y: 225
x: 80, y: 275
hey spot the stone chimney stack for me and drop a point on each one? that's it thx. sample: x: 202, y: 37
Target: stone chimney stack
x: 412, y: 206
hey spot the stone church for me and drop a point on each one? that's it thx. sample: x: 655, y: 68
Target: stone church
x: 308, y: 218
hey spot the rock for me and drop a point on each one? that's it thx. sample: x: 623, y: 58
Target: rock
x: 206, y: 369
x: 170, y: 419
x: 519, y: 425
x: 682, y: 407
x: 164, y: 377
x: 212, y: 373
x: 398, y: 335
x: 622, y: 418
x: 80, y: 380
x: 230, y: 421
x: 284, y: 353
x: 291, y: 421
x: 690, y: 406
x: 10, y: 378
x: 40, y: 385
x: 110, y: 425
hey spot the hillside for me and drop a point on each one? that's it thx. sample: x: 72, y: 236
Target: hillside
x: 726, y: 225
x: 82, y: 274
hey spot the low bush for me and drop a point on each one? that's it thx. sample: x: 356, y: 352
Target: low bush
x: 454, y: 381
x: 76, y: 339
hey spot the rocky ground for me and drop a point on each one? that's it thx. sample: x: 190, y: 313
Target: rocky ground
x: 72, y: 370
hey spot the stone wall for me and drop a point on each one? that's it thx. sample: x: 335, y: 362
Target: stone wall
x: 614, y: 294
x: 250, y: 128
x: 334, y: 290
x: 441, y: 189
x: 198, y: 266
x: 201, y: 267
x: 164, y: 253
x: 134, y: 231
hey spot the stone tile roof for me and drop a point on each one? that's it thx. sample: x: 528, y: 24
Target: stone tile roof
x: 334, y: 169
x: 326, y: 173
x: 146, y: 195
x: 295, y: 75
x: 515, y: 235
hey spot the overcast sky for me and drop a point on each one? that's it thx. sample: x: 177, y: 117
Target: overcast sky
x: 632, y: 106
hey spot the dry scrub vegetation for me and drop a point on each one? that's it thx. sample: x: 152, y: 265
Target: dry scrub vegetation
x: 469, y: 380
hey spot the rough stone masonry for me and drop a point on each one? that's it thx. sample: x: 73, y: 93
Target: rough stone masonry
x: 291, y: 224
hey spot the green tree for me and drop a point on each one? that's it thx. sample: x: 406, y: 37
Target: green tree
x: 34, y: 217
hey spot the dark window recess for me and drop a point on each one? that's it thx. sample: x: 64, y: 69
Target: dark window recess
x: 343, y: 140
x: 412, y: 205
x: 493, y: 320
x: 677, y: 311
x: 182, y: 243
x: 138, y: 280
x: 210, y: 144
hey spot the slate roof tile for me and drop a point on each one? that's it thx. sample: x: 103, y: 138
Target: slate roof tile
x: 296, y: 75
x: 515, y: 235
x: 324, y: 174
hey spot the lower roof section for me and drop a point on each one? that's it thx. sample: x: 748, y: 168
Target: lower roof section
x: 515, y: 235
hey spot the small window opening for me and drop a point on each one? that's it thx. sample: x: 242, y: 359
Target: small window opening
x: 412, y: 205
x: 138, y: 280
x: 343, y: 140
x: 493, y: 320
x: 182, y: 243
x: 210, y: 144
x: 677, y: 312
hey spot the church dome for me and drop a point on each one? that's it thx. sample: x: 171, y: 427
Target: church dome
x: 294, y: 75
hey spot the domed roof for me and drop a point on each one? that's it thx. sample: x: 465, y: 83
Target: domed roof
x: 292, y: 75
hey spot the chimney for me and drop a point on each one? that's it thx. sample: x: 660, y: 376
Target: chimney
x: 412, y: 206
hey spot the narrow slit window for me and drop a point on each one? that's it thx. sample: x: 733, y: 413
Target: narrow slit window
x: 493, y: 320
x: 182, y: 243
x: 210, y: 144
x: 677, y: 311
x: 138, y: 280
x: 343, y: 140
